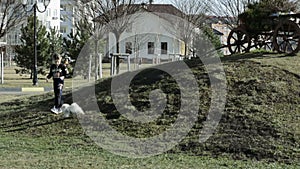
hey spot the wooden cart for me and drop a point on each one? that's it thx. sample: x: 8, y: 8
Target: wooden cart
x: 278, y: 32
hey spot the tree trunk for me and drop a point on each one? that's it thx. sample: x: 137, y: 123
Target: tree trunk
x: 31, y: 73
x: 118, y: 51
x: 185, y: 49
x: 96, y: 61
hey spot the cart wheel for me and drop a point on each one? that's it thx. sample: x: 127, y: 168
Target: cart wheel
x: 286, y: 37
x: 264, y: 41
x: 238, y: 41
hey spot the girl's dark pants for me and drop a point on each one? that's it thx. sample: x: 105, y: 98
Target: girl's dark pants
x: 58, y: 92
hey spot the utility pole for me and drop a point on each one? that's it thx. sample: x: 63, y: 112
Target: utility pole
x: 2, y: 68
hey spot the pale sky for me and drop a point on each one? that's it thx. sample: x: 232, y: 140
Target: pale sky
x: 162, y: 1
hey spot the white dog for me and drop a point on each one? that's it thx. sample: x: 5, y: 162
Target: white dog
x: 71, y: 109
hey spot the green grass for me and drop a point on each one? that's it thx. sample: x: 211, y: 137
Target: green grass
x: 289, y: 63
x: 53, y: 152
x: 11, y: 97
x: 259, y: 128
x: 13, y: 80
x: 74, y: 152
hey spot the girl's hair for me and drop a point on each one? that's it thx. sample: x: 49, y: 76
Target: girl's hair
x: 56, y: 56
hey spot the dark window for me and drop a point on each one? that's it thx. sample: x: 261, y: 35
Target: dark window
x: 150, y: 47
x: 128, y: 47
x: 164, y: 47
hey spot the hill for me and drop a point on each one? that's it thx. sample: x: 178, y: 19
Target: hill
x: 260, y: 121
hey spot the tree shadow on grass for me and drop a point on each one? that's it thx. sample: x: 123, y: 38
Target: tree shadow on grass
x: 30, y: 112
x: 233, y: 58
x: 28, y: 124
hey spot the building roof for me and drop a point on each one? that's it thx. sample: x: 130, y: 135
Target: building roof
x: 217, y: 19
x: 164, y: 8
x: 156, y: 8
x: 216, y: 32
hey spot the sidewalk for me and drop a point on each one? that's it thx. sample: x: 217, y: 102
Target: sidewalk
x: 25, y: 90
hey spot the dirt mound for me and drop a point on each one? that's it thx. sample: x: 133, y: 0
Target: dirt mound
x: 261, y: 118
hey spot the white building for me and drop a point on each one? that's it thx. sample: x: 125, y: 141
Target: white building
x: 71, y: 11
x: 51, y: 17
x: 150, y: 35
x: 67, y: 11
x: 223, y: 28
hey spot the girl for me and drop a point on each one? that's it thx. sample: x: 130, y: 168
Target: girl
x: 58, y: 73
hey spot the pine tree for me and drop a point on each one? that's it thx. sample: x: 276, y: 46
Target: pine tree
x: 56, y: 41
x: 74, y: 43
x: 257, y: 16
x: 25, y: 52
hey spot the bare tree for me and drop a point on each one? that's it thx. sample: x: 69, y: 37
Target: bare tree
x: 11, y: 14
x: 107, y: 16
x: 229, y: 10
x: 139, y: 40
x: 116, y: 15
x: 190, y: 16
x: 90, y: 13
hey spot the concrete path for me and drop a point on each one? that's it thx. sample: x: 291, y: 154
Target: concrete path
x: 24, y: 90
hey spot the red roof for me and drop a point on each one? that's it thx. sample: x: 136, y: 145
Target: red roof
x: 164, y: 8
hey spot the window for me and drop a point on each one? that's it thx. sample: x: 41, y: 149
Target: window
x: 150, y: 47
x: 19, y: 37
x: 55, y: 12
x: 63, y: 30
x: 48, y: 12
x: 3, y: 6
x: 164, y: 47
x: 9, y: 38
x: 63, y: 7
x: 128, y: 47
x: 16, y: 37
x: 48, y: 24
x: 63, y: 18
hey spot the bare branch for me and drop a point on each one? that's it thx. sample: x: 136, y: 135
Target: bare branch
x: 190, y: 17
x: 228, y: 10
x: 11, y: 14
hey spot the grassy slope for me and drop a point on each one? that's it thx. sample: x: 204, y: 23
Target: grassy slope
x: 261, y: 122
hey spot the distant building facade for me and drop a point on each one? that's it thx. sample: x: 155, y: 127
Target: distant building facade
x: 149, y: 35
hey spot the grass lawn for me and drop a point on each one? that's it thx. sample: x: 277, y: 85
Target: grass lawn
x: 289, y: 63
x: 259, y: 128
x: 59, y: 152
x: 21, y: 151
x: 13, y: 80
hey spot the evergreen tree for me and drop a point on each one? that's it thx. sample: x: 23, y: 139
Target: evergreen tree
x: 25, y: 52
x: 212, y: 38
x: 55, y: 40
x: 205, y: 42
x: 73, y: 44
x: 257, y: 16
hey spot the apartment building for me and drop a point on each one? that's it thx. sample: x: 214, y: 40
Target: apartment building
x: 67, y: 10
x: 71, y: 12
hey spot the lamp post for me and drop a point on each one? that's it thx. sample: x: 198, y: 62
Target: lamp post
x: 35, y: 8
